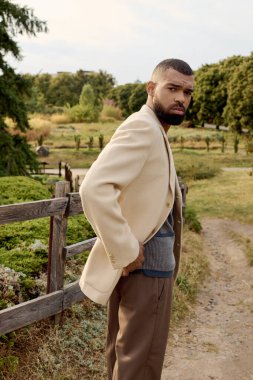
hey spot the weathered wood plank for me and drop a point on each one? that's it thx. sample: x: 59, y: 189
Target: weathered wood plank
x: 32, y: 210
x: 74, y: 206
x: 72, y: 294
x: 28, y: 312
x: 73, y: 249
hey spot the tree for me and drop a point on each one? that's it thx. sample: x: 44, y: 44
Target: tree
x: 239, y: 111
x: 86, y: 110
x: 211, y: 90
x: 61, y: 90
x: 208, y: 99
x: 101, y: 83
x: 138, y: 97
x: 121, y: 95
x: 15, y: 153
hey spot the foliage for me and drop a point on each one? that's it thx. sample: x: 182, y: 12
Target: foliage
x: 223, y: 93
x: 121, y: 96
x: 190, y: 168
x: 236, y: 142
x: 208, y: 140
x: 21, y: 189
x: 137, y: 98
x: 239, y: 110
x: 101, y: 141
x: 192, y: 220
x: 208, y: 99
x: 110, y: 113
x: 221, y: 137
x: 52, y: 92
x: 77, y: 139
x: 86, y: 110
x: 23, y: 245
x: 15, y: 153
x: 90, y: 142
x: 249, y: 143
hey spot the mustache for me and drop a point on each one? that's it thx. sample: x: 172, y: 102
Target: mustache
x: 179, y: 106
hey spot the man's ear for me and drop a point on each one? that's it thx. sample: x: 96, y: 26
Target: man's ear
x: 150, y: 88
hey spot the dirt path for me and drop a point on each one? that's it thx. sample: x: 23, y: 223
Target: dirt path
x: 216, y: 341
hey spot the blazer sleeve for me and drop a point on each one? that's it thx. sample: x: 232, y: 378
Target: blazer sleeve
x: 116, y: 167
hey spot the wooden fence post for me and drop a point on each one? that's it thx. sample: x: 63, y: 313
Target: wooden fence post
x: 184, y: 191
x: 57, y: 239
x: 59, y: 168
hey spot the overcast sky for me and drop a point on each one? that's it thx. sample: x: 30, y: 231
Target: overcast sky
x: 127, y: 38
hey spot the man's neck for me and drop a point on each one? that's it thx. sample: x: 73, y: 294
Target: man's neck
x: 165, y: 126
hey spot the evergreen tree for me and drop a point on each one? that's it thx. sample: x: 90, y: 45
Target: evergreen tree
x: 15, y: 153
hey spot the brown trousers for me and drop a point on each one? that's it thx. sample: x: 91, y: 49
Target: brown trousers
x: 138, y: 325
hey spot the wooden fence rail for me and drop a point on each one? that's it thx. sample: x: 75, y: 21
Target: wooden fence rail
x: 59, y: 298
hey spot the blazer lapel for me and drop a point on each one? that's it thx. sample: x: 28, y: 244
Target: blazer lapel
x: 172, y: 171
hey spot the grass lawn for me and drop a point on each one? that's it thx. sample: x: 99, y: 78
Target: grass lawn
x: 227, y: 195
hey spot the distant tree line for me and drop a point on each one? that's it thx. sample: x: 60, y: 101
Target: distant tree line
x: 49, y: 93
x: 64, y: 91
x: 223, y: 93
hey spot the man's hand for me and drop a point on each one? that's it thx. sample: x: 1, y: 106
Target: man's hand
x: 136, y: 264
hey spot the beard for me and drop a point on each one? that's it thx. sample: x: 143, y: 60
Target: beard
x: 165, y: 116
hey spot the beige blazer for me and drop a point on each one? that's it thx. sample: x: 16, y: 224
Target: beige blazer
x: 126, y: 195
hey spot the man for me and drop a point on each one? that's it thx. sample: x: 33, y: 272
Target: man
x: 132, y: 199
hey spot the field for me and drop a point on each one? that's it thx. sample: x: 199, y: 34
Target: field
x: 75, y: 349
x: 60, y: 139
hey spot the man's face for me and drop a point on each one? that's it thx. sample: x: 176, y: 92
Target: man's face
x: 171, y: 96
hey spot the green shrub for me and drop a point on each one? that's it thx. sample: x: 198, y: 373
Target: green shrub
x: 21, y: 189
x: 23, y: 245
x: 196, y: 170
x: 8, y: 365
x: 110, y: 113
x: 192, y: 220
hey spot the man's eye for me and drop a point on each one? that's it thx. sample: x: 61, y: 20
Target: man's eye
x: 172, y: 89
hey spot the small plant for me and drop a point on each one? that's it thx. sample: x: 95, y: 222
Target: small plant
x: 91, y: 142
x: 192, y: 221
x: 249, y: 144
x: 222, y: 140
x: 40, y: 140
x: 182, y: 140
x: 208, y: 140
x: 236, y: 143
x: 9, y: 365
x: 101, y: 141
x: 77, y: 139
x: 110, y: 113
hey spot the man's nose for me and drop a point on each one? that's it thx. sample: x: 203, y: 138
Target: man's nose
x: 180, y: 97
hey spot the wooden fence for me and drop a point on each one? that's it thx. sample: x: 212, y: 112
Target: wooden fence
x: 58, y: 297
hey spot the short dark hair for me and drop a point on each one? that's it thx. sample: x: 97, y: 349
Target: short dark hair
x: 173, y: 63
